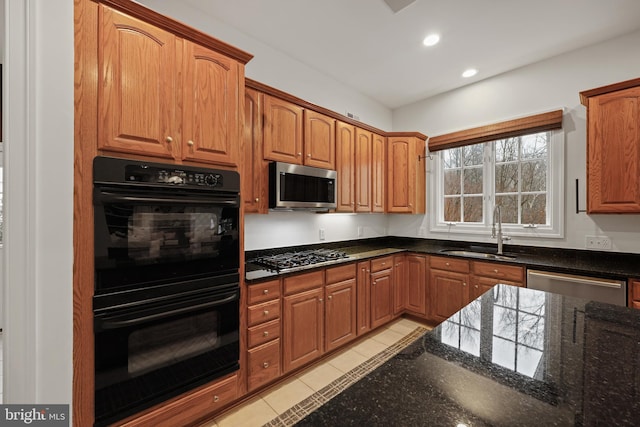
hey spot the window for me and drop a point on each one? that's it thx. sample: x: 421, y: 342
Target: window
x: 522, y: 173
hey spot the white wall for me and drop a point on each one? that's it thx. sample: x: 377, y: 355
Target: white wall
x: 535, y: 88
x: 39, y: 201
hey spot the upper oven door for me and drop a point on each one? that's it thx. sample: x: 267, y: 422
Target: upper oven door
x: 150, y: 236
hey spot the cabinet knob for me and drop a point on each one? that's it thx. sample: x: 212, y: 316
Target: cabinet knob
x: 216, y: 398
x: 319, y: 300
x: 265, y: 334
x: 299, y: 154
x: 266, y: 291
x: 329, y: 297
x: 266, y: 312
x: 257, y: 199
x: 447, y: 264
x: 169, y: 139
x: 475, y: 286
x: 495, y: 270
x: 309, y: 155
x: 374, y: 282
x: 265, y: 365
x: 464, y: 283
x: 190, y: 143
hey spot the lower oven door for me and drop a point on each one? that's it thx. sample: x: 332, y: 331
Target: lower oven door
x: 149, y: 353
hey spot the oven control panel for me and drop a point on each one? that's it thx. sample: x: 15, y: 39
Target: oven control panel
x: 135, y: 173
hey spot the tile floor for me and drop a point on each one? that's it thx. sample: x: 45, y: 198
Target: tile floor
x: 278, y: 399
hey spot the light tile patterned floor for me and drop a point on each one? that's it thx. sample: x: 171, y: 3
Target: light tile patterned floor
x: 304, y: 386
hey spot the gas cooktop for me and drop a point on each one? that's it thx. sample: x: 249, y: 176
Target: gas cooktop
x: 287, y: 260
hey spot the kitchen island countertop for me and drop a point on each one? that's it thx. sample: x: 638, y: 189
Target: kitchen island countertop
x: 514, y: 356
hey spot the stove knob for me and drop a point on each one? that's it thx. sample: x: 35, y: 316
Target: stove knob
x: 211, y: 180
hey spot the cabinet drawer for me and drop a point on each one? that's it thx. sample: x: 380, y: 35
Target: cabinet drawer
x: 340, y: 274
x: 635, y: 290
x: 264, y: 333
x: 263, y: 312
x: 449, y: 264
x: 380, y: 264
x: 264, y: 364
x: 191, y: 407
x: 262, y: 292
x: 303, y: 282
x: 499, y: 271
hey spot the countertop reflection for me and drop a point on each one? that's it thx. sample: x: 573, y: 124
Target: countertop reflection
x: 514, y: 356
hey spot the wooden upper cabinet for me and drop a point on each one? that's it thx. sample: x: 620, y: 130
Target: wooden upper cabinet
x: 378, y: 173
x: 137, y: 102
x: 163, y: 96
x: 345, y: 165
x: 210, y: 106
x: 255, y: 169
x: 406, y: 175
x: 363, y: 166
x: 613, y: 148
x: 282, y: 130
x: 319, y: 140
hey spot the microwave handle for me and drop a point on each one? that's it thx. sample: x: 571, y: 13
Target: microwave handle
x: 106, y: 196
x: 117, y: 322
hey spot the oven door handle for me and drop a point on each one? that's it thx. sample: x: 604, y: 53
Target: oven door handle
x: 124, y: 321
x: 106, y: 196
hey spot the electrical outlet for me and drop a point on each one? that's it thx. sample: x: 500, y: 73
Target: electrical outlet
x: 321, y: 234
x: 598, y: 242
x: 360, y: 231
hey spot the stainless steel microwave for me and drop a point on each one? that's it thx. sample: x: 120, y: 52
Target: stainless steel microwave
x: 301, y: 187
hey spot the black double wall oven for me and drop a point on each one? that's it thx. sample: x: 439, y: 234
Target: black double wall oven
x: 166, y: 300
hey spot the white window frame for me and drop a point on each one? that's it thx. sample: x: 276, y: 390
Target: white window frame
x: 555, y: 197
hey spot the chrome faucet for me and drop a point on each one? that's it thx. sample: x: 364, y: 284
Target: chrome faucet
x: 498, y: 214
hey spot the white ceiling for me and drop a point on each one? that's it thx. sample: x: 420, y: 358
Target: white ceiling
x: 364, y: 44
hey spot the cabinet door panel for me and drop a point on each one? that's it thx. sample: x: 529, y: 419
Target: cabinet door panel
x: 256, y: 174
x: 363, y: 150
x: 381, y: 298
x: 345, y: 165
x: 364, y: 297
x: 319, y: 140
x: 449, y: 293
x: 416, y: 284
x: 303, y: 328
x: 614, y: 152
x: 282, y: 131
x: 340, y: 314
x: 378, y: 173
x: 210, y: 84
x: 399, y: 284
x: 137, y: 99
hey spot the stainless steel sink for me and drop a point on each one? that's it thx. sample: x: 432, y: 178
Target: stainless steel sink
x: 473, y: 254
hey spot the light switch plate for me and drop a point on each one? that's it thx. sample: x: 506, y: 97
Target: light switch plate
x: 321, y: 234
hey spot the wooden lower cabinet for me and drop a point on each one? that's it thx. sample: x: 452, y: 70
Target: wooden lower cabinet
x: 340, y: 314
x: 363, y: 289
x: 381, y: 298
x: 485, y: 275
x: 303, y: 325
x: 263, y: 333
x: 193, y: 406
x: 263, y: 364
x: 399, y: 284
x: 448, y: 286
x: 416, y: 301
x: 634, y: 293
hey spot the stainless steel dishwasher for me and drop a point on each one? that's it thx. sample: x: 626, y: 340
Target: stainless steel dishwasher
x: 591, y: 288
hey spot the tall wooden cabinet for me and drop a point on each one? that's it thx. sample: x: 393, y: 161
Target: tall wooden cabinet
x: 163, y: 96
x: 406, y: 174
x: 255, y: 169
x: 613, y: 148
x: 345, y: 165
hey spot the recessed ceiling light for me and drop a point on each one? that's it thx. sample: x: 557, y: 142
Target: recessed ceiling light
x: 431, y: 40
x: 470, y: 72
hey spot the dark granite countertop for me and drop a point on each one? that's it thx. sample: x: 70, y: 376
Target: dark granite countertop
x: 614, y: 265
x: 514, y: 356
